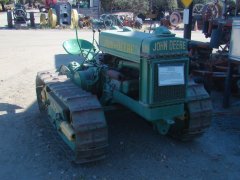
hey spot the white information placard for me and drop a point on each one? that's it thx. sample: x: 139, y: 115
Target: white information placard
x: 234, y: 45
x: 170, y: 75
x: 186, y: 16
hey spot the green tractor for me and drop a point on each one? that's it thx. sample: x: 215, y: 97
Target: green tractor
x: 146, y: 73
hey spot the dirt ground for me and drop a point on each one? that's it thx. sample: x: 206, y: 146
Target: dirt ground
x: 29, y: 148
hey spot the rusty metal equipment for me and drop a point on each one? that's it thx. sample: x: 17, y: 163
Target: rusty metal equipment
x: 108, y: 20
x: 218, y: 20
x: 19, y: 16
x: 212, y: 66
x: 120, y: 19
x: 175, y: 18
x: 146, y: 73
x: 197, y: 8
x: 59, y: 13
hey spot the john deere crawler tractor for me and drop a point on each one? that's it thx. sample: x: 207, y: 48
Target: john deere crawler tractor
x: 146, y: 73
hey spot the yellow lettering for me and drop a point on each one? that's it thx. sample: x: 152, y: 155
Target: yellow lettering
x: 119, y: 46
x: 165, y: 45
x: 177, y: 45
x: 160, y: 46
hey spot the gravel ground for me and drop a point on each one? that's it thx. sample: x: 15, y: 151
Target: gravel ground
x: 29, y: 148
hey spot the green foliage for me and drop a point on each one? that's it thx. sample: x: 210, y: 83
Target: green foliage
x: 167, y: 4
x: 200, y: 2
x: 4, y: 1
x: 125, y: 5
x: 106, y: 5
x: 144, y: 5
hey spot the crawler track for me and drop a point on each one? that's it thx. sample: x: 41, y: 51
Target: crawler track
x: 198, y: 114
x: 63, y: 101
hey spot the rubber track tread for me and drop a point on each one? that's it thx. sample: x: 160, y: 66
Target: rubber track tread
x: 199, y: 113
x: 199, y: 107
x: 86, y: 116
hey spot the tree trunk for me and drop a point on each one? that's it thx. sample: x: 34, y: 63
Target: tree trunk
x: 34, y: 3
x: 30, y: 3
x: 3, y: 8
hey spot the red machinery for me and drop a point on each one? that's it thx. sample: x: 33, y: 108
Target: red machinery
x: 49, y: 3
x: 212, y: 67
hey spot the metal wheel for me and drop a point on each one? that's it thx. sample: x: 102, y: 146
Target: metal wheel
x: 52, y: 18
x: 74, y: 18
x: 107, y: 20
x: 20, y: 14
x: 9, y: 19
x: 210, y: 11
x: 43, y: 19
x: 175, y: 18
x: 198, y: 8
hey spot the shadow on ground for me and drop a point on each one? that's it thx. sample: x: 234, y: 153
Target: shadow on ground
x: 61, y: 59
x: 7, y: 108
x: 134, y: 149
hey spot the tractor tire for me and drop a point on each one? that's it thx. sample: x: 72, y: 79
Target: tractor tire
x: 74, y: 19
x: 9, y: 19
x: 43, y: 19
x: 32, y: 20
x: 52, y: 18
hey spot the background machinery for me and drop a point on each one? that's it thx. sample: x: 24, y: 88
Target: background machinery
x: 19, y: 16
x: 146, y: 73
x: 209, y: 61
x: 59, y: 13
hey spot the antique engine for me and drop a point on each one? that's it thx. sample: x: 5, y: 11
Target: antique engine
x: 146, y: 73
x: 59, y: 14
x: 19, y: 16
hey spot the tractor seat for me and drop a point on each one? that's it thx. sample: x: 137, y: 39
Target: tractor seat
x: 72, y: 47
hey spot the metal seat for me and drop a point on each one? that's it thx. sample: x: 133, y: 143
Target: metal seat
x: 80, y: 47
x: 76, y: 47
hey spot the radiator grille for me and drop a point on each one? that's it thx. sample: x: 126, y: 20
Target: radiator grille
x: 167, y: 93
